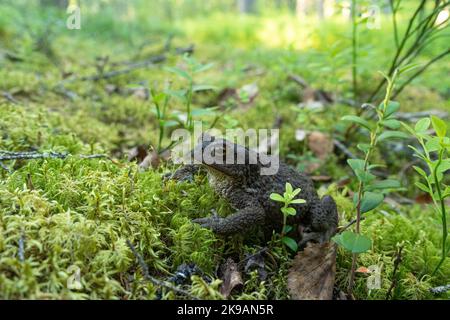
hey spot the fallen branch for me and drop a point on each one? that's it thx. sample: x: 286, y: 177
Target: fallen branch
x: 9, y: 155
x: 4, y: 167
x: 155, y: 281
x: 299, y: 80
x: 263, y: 250
x: 339, y: 145
x: 8, y: 96
x: 440, y: 289
x: 131, y: 67
x: 418, y: 115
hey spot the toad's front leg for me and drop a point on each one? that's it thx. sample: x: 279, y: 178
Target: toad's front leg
x: 238, y: 223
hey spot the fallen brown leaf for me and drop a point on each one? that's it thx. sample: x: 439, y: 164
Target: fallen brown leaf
x: 321, y: 178
x: 424, y: 198
x: 313, y: 271
x: 320, y: 144
x: 151, y: 160
x: 138, y: 153
x: 232, y: 278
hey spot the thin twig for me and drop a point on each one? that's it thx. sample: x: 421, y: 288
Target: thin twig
x: 397, y: 261
x: 263, y: 250
x: 342, y: 229
x: 22, y: 248
x: 153, y: 280
x: 440, y: 289
x: 9, y: 155
x: 411, y: 116
x: 343, y: 149
x: 4, y: 167
x: 8, y: 96
x: 419, y: 72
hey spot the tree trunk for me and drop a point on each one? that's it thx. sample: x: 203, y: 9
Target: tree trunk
x: 246, y: 6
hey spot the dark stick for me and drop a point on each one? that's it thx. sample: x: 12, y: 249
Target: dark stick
x: 342, y: 229
x: 397, y: 261
x: 153, y: 280
x: 130, y: 68
x: 8, y: 155
x: 440, y: 289
x: 343, y: 149
x: 8, y: 96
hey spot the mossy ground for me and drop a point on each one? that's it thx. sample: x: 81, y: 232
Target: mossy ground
x: 56, y: 214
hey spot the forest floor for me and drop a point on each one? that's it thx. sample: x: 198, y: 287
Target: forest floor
x: 74, y: 94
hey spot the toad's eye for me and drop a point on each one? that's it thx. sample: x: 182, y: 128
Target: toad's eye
x: 218, y: 151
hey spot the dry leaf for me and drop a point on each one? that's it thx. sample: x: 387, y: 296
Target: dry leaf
x: 424, y: 198
x: 321, y: 178
x: 363, y: 270
x: 313, y: 271
x: 320, y: 144
x: 232, y: 278
x: 151, y: 160
x: 137, y: 153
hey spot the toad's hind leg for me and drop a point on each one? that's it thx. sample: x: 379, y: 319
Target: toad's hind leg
x: 324, y: 221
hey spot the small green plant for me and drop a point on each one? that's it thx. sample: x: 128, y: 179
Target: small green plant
x: 186, y: 95
x: 288, y: 198
x: 370, y: 192
x: 161, y: 101
x: 435, y: 150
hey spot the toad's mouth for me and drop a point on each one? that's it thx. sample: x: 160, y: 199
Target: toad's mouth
x: 217, y: 169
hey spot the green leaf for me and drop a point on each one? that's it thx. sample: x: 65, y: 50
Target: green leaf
x: 434, y: 144
x: 296, y: 192
x: 409, y: 67
x: 443, y: 167
x: 358, y: 120
x: 383, y: 185
x: 420, y: 171
x: 203, y: 112
x: 364, y: 176
x: 180, y: 94
x: 287, y: 229
x: 439, y: 126
x: 179, y: 72
x: 203, y: 87
x: 277, y: 197
x: 353, y: 242
x: 169, y: 123
x: 422, y: 125
x: 392, y: 135
x: 391, y: 108
x: 446, y: 192
x: 298, y: 201
x: 392, y: 124
x: 290, y: 243
x: 422, y: 187
x: 203, y: 67
x: 364, y: 147
x: 408, y: 128
x: 369, y: 201
x: 356, y: 164
x: 289, y: 211
x: 289, y: 188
